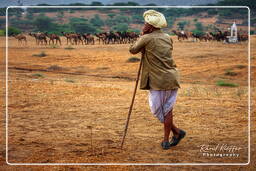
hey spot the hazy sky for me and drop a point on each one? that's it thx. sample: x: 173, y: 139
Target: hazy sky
x: 4, y: 3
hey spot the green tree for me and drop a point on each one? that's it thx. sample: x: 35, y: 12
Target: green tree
x: 212, y: 11
x: 60, y: 16
x: 137, y: 19
x: 2, y: 23
x: 120, y: 27
x: 96, y: 3
x: 199, y: 26
x: 122, y: 19
x: 13, y: 31
x: 110, y: 22
x: 2, y: 32
x: 29, y: 15
x: 199, y: 29
x: 182, y: 24
x: 225, y: 13
x: 43, y: 23
x: 97, y: 21
x: 82, y: 26
x: 170, y: 21
x: 111, y: 15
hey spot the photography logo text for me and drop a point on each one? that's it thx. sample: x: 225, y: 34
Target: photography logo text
x: 219, y: 150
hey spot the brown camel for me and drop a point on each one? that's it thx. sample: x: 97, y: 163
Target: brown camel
x: 21, y: 38
x: 101, y: 37
x: 53, y: 37
x: 40, y: 38
x: 71, y: 37
x: 88, y: 39
x: 181, y: 35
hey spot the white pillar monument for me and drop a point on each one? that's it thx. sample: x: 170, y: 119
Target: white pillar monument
x: 233, y: 36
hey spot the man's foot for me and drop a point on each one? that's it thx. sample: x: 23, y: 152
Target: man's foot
x: 175, y: 140
x: 165, y: 145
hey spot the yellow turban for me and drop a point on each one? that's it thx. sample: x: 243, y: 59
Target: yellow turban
x: 155, y: 18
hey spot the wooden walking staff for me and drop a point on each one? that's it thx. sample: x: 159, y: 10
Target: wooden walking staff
x: 133, y: 97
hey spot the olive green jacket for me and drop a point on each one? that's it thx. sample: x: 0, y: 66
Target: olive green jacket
x: 158, y: 68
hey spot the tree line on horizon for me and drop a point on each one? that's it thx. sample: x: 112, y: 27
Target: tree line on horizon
x: 116, y: 22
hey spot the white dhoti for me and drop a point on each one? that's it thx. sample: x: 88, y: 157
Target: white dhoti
x: 161, y: 102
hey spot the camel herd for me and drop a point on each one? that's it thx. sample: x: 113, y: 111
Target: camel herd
x: 208, y: 36
x: 44, y: 38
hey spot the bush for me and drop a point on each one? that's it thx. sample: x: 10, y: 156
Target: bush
x: 69, y: 80
x: 137, y: 19
x: 212, y: 12
x: 134, y: 30
x: 43, y: 23
x: 82, y: 25
x: 230, y: 73
x: 170, y: 21
x: 226, y: 84
x: 55, y: 68
x: 240, y: 66
x: 197, y: 32
x: 54, y: 46
x: 199, y: 26
x: 42, y: 54
x: 133, y: 59
x: 225, y: 12
x: 182, y: 24
x: 111, y: 15
x: 13, y: 31
x: 69, y: 47
x: 2, y: 32
x: 97, y: 21
x: 38, y: 75
x: 120, y: 27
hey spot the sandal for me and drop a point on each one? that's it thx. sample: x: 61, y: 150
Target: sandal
x: 175, y: 140
x: 165, y: 145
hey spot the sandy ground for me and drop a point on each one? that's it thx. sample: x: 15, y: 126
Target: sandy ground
x: 71, y: 106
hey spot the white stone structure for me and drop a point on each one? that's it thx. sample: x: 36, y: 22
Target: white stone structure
x: 233, y: 37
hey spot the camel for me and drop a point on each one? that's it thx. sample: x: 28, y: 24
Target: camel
x: 21, y: 38
x: 53, y: 37
x: 180, y: 35
x: 242, y: 36
x: 40, y: 38
x: 72, y: 37
x: 88, y: 39
x: 132, y: 36
x: 220, y: 36
x: 79, y: 38
x: 101, y: 37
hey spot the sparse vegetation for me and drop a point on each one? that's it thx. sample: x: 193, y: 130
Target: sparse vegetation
x: 133, y: 59
x: 54, y: 46
x: 38, y: 75
x: 69, y: 47
x: 2, y: 33
x: 182, y: 24
x: 226, y: 84
x: 55, y: 68
x: 42, y: 54
x: 69, y: 81
x: 230, y: 73
x: 240, y: 66
x: 90, y: 127
x: 240, y: 93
